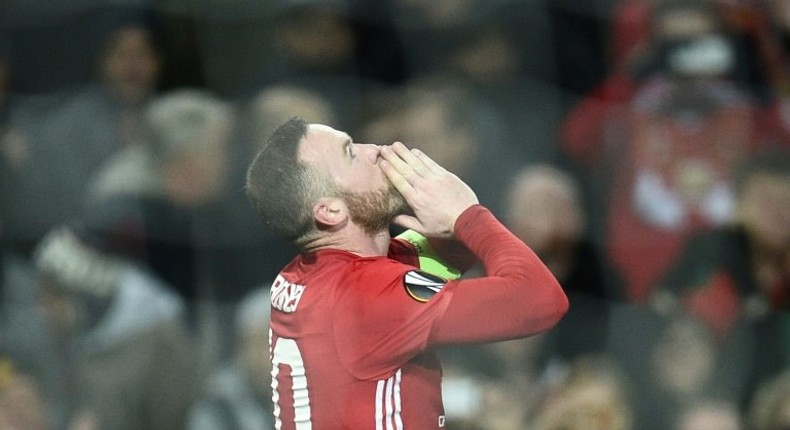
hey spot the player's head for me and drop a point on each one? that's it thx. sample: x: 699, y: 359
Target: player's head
x: 311, y: 179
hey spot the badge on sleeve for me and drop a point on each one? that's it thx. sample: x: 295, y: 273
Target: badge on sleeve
x: 421, y: 286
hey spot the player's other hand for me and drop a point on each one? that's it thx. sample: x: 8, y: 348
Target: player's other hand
x: 437, y: 197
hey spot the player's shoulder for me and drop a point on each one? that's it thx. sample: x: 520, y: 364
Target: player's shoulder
x: 363, y: 278
x: 402, y: 250
x: 386, y: 275
x: 382, y: 267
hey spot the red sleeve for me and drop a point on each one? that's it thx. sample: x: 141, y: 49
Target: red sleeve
x: 518, y: 297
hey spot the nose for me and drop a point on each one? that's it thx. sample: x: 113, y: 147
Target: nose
x: 370, y: 151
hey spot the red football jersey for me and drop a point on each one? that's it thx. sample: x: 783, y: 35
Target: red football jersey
x: 350, y: 335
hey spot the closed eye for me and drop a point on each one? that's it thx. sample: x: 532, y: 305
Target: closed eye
x: 350, y: 150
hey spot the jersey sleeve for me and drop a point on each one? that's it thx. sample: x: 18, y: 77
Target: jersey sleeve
x: 379, y: 322
x: 517, y: 297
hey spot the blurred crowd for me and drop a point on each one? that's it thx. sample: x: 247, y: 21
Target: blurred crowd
x: 640, y: 147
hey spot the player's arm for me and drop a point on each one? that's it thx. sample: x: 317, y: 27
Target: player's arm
x: 518, y: 297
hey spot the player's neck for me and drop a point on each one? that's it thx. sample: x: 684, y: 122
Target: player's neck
x: 354, y: 240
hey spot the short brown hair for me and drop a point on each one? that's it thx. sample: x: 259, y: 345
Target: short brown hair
x: 281, y: 187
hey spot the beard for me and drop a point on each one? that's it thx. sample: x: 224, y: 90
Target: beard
x: 373, y: 210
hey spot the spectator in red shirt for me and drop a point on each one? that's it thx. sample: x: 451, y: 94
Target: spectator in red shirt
x: 736, y: 279
x: 659, y: 143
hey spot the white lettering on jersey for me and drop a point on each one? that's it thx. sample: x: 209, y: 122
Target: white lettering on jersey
x: 285, y: 295
x: 286, y: 352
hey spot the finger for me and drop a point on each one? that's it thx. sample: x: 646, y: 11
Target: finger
x: 400, y: 165
x: 428, y: 161
x: 410, y: 158
x: 397, y: 179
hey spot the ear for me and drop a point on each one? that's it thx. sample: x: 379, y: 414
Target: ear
x: 330, y: 213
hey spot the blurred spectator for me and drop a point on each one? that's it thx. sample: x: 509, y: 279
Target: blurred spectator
x: 503, y: 56
x: 326, y: 47
x: 593, y: 395
x: 578, y: 32
x: 21, y: 402
x: 158, y: 196
x: 503, y: 407
x: 777, y: 28
x: 504, y: 41
x: 117, y: 337
x: 499, y: 51
x: 475, y: 403
x: 178, y: 203
x: 424, y: 26
x: 661, y: 148
x: 65, y: 138
x: 334, y: 37
x: 671, y: 363
x: 770, y: 409
x: 709, y: 415
x: 238, y: 395
x: 489, y: 41
x: 736, y: 279
x: 636, y: 23
x: 774, y: 35
x: 315, y: 36
x: 21, y: 327
x: 681, y: 341
x: 248, y: 44
x: 630, y: 29
x: 680, y: 32
x: 544, y: 208
x: 274, y: 105
x: 491, y: 386
x: 129, y: 59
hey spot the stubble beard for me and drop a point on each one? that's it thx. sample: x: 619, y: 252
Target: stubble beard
x: 374, y: 210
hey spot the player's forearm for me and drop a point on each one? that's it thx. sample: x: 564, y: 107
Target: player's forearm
x: 518, y: 297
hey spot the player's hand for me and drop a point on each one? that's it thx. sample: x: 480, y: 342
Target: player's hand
x: 437, y: 197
